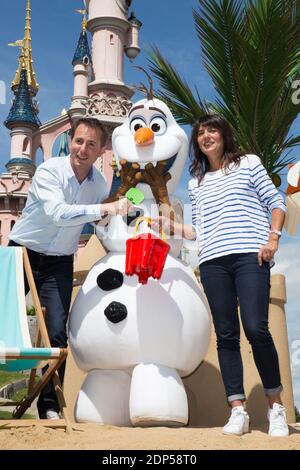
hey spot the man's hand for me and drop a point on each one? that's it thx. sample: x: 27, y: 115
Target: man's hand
x: 267, y: 251
x: 121, y: 207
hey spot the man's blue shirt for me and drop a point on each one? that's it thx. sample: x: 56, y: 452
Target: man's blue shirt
x: 57, y: 208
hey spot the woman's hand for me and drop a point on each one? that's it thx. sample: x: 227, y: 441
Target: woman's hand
x: 267, y: 252
x: 173, y: 227
x: 162, y: 222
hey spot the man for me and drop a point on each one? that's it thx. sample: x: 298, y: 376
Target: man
x: 65, y: 194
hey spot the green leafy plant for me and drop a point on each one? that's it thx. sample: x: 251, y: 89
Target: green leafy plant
x: 8, y: 377
x: 8, y: 415
x: 297, y: 415
x: 251, y: 50
x: 30, y: 310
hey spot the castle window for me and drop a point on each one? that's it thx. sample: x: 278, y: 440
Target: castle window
x: 26, y: 149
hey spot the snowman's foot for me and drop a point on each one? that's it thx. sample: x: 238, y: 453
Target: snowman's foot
x: 157, y: 397
x: 104, y: 398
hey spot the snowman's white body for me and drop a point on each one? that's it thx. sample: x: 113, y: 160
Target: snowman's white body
x: 134, y: 366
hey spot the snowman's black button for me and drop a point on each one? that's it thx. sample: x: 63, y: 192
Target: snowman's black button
x: 115, y: 312
x: 110, y: 279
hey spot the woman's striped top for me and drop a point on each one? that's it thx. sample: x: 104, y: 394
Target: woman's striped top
x: 231, y: 209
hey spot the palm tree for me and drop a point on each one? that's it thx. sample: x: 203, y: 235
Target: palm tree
x: 251, y: 50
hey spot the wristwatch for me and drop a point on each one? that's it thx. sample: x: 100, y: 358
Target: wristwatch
x: 276, y: 231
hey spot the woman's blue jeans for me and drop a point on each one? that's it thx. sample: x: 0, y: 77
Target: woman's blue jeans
x: 227, y: 281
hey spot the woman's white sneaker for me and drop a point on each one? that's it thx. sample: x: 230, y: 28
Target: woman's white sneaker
x: 238, y: 423
x: 277, y: 419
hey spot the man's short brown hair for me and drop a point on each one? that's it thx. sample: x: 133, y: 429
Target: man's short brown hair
x: 94, y: 123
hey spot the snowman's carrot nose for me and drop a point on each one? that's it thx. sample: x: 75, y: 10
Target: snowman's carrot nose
x: 144, y: 136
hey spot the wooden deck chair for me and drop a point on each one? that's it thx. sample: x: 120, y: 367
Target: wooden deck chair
x: 16, y: 350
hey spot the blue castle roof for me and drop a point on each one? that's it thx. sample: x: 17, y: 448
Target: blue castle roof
x: 64, y: 148
x: 22, y: 109
x: 82, y: 50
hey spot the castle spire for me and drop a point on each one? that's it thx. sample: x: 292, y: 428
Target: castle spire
x: 82, y: 53
x: 22, y: 110
x: 82, y: 69
x: 26, y: 57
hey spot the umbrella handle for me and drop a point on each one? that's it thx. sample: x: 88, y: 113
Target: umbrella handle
x: 142, y: 218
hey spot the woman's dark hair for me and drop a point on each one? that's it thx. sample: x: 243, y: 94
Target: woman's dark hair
x: 199, y: 162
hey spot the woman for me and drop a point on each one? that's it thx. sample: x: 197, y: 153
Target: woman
x: 232, y: 196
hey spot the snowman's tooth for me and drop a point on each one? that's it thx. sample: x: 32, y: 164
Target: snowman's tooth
x: 143, y: 164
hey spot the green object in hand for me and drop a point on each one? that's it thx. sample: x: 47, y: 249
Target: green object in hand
x: 135, y: 196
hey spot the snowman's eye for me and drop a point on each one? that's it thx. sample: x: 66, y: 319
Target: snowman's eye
x: 110, y: 279
x: 136, y: 124
x: 158, y: 125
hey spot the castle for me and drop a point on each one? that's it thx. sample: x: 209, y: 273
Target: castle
x: 99, y: 91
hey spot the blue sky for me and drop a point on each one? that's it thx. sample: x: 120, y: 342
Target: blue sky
x: 167, y: 24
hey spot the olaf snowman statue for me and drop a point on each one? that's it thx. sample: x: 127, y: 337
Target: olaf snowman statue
x: 136, y: 341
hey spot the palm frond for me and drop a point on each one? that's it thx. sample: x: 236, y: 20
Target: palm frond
x: 218, y: 25
x: 175, y: 91
x: 269, y: 59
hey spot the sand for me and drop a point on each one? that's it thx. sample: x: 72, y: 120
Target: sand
x: 96, y: 437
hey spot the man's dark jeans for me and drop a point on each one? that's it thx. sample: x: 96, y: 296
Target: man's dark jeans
x: 228, y: 280
x: 53, y: 276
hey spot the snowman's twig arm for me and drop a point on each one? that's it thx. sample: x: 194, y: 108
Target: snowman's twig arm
x: 157, y: 180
